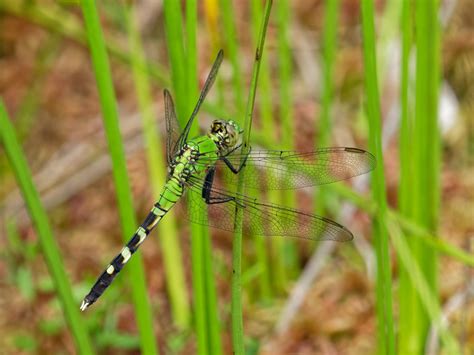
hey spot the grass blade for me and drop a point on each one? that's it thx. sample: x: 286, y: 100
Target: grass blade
x: 175, y: 45
x: 236, y: 303
x: 385, y: 331
x: 422, y: 171
x: 184, y: 75
x: 407, y: 295
x: 230, y: 31
x: 122, y: 186
x: 267, y: 119
x: 167, y: 232
x: 210, y: 311
x: 287, y: 248
x: 423, y: 289
x: 45, y: 235
x: 328, y: 59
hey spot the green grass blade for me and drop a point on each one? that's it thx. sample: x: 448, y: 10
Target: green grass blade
x: 213, y: 321
x: 285, y: 72
x: 210, y: 295
x: 178, y: 62
x: 287, y: 248
x: 167, y: 231
x: 428, y: 299
x: 423, y: 172
x: 328, y: 59
x: 385, y: 325
x: 191, y: 55
x: 202, y: 270
x: 48, y: 244
x: 329, y: 46
x: 407, y: 295
x: 176, y: 53
x: 184, y: 75
x: 231, y: 42
x: 236, y: 303
x: 122, y: 186
x: 199, y: 289
x: 267, y: 125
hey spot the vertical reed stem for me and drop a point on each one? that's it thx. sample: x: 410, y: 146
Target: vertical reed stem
x: 236, y: 303
x: 385, y: 325
x: 157, y: 169
x: 108, y: 103
x: 46, y: 239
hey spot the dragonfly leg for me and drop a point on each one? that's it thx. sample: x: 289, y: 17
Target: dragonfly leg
x: 233, y: 149
x: 207, y: 189
x: 232, y: 167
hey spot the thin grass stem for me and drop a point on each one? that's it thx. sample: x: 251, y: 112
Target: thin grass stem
x: 423, y: 172
x: 228, y: 19
x: 178, y: 62
x: 287, y: 248
x: 385, y: 325
x: 108, y: 103
x: 329, y: 46
x: 236, y: 303
x: 267, y: 125
x: 422, y: 287
x: 184, y: 75
x: 210, y: 311
x: 46, y: 239
x: 167, y: 231
x: 407, y: 295
x: 176, y: 53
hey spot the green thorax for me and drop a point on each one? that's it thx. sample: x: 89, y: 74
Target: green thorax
x: 193, y: 159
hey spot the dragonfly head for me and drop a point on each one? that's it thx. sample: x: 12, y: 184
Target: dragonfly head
x: 225, y: 133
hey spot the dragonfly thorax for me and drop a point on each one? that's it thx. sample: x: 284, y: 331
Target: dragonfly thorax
x: 225, y: 134
x: 179, y: 166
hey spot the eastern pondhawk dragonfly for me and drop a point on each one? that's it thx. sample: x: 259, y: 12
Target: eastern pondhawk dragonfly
x: 193, y: 164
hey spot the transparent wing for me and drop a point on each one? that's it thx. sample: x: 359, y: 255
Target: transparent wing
x: 260, y: 218
x: 279, y: 170
x: 172, y: 127
x: 207, y: 86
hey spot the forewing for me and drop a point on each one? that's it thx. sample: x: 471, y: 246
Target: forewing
x: 172, y: 127
x: 261, y: 218
x: 279, y: 170
x: 207, y: 86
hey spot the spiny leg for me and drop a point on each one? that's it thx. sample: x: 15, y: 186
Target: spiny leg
x: 116, y: 265
x: 207, y: 189
x: 230, y: 165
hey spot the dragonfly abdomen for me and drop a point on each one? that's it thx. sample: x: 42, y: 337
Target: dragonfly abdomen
x: 168, y: 197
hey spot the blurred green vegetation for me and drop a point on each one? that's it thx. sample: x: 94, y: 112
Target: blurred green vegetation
x: 337, y: 73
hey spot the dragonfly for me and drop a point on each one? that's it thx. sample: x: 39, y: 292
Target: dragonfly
x: 194, y: 164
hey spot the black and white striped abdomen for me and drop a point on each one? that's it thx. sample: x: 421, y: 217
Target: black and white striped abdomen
x: 158, y: 211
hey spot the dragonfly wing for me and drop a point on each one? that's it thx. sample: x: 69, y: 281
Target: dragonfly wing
x: 207, y: 86
x: 279, y: 170
x: 172, y: 127
x: 261, y: 218
x: 219, y: 216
